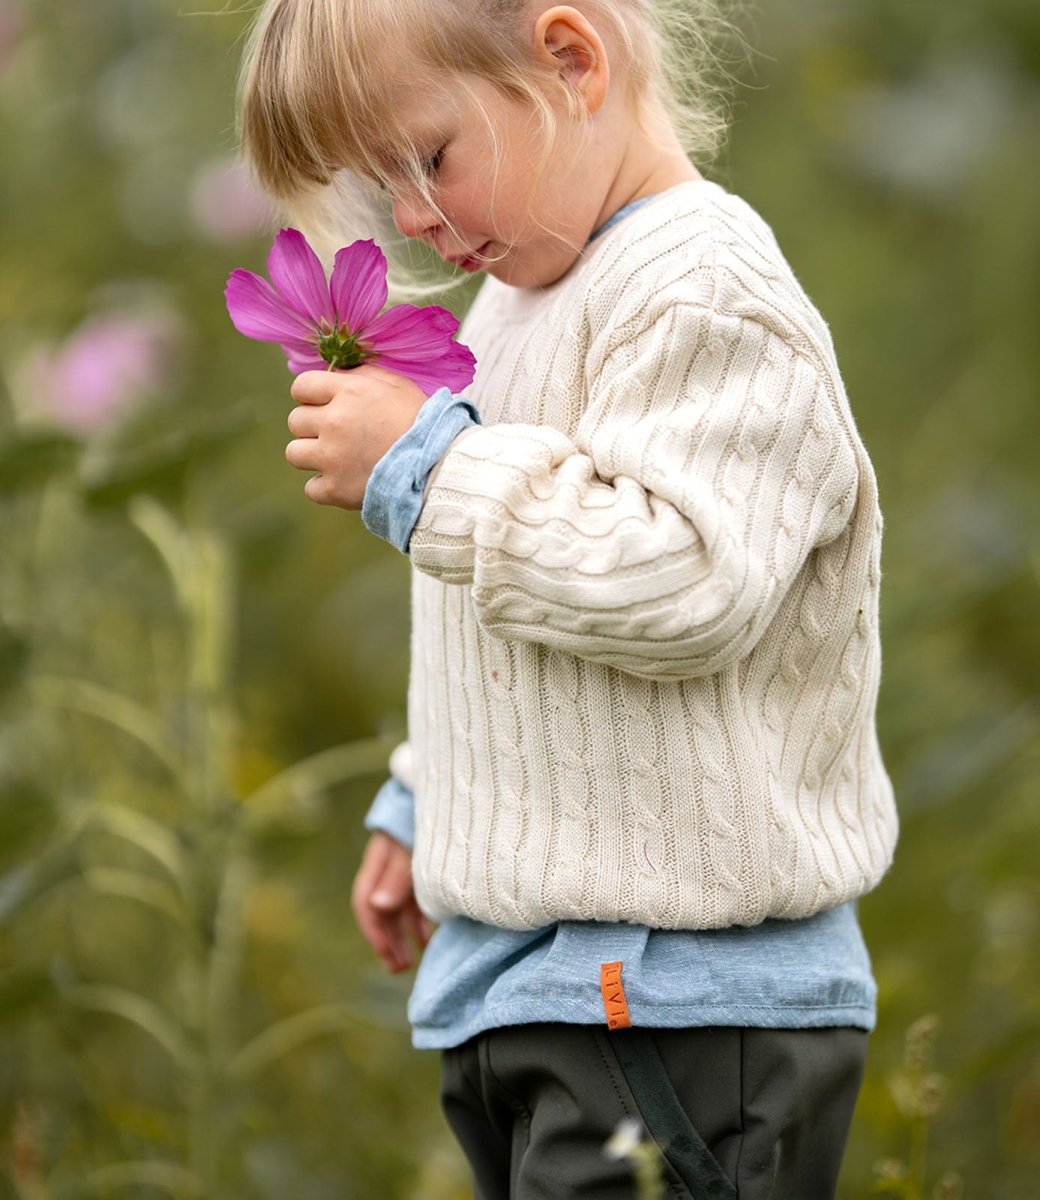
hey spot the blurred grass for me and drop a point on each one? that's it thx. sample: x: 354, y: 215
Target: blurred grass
x: 178, y: 626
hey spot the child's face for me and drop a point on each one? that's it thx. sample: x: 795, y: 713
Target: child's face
x: 522, y: 219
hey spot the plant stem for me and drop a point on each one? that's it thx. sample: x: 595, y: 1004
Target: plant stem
x: 917, y: 1166
x: 200, y: 565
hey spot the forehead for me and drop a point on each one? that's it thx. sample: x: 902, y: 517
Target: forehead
x: 418, y: 116
x: 386, y: 127
x: 429, y: 106
x: 418, y: 111
x: 456, y: 103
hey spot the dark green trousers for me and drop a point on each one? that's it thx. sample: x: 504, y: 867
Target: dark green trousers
x: 753, y: 1114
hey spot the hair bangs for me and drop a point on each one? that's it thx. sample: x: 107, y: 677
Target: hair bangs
x: 319, y: 92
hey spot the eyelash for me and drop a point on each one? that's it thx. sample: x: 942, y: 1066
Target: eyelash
x: 429, y: 167
x: 433, y: 164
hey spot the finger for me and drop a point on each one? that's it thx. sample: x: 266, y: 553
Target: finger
x: 373, y: 924
x: 395, y: 929
x: 384, y: 937
x: 321, y: 490
x: 373, y: 863
x: 302, y: 453
x: 382, y: 899
x: 387, y: 934
x: 371, y: 370
x: 419, y: 924
x: 393, y: 889
x: 316, y: 387
x: 304, y: 421
x: 394, y: 904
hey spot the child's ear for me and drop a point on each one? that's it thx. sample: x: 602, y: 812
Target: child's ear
x: 565, y: 41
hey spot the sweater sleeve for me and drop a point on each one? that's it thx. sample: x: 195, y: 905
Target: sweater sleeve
x: 712, y: 457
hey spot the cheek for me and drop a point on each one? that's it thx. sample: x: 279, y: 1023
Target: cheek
x: 520, y: 208
x: 471, y: 201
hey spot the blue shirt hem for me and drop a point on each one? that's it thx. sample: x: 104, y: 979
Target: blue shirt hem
x: 574, y: 1010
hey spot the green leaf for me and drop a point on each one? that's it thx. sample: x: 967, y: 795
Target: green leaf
x: 132, y: 885
x: 168, y: 1177
x: 285, y: 1036
x: 30, y: 881
x: 170, y: 540
x: 28, y: 460
x: 139, y: 1011
x: 28, y: 818
x: 146, y: 461
x: 148, y: 835
x: 118, y: 710
x: 23, y: 992
x: 14, y: 658
x: 315, y: 774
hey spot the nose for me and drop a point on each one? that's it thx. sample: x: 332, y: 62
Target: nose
x: 413, y: 218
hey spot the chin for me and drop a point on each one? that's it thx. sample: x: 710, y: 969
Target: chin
x: 525, y: 276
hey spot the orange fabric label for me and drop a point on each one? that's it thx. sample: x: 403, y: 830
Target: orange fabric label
x: 614, y: 1002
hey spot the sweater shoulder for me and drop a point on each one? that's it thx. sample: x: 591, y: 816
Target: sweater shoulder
x: 703, y: 247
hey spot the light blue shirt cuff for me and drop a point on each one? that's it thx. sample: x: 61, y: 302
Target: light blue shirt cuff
x: 395, y: 492
x: 393, y: 812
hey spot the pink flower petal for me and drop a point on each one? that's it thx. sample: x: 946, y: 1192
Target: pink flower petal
x: 226, y: 203
x: 457, y: 367
x: 453, y: 370
x: 304, y: 359
x: 259, y: 312
x: 297, y: 274
x: 358, y: 284
x: 406, y: 329
x: 417, y: 343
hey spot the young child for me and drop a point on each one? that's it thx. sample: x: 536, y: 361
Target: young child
x: 642, y: 753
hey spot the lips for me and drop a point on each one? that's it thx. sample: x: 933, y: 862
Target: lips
x: 471, y: 262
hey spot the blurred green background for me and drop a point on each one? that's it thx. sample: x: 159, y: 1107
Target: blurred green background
x: 202, y: 672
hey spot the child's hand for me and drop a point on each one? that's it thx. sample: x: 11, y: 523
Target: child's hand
x: 345, y: 423
x: 384, y: 902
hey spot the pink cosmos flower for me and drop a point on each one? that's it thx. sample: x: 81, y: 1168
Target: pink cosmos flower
x: 11, y: 29
x: 339, y: 323
x: 111, y: 363
x: 226, y: 204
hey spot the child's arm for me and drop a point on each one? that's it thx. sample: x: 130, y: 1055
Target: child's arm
x: 714, y: 455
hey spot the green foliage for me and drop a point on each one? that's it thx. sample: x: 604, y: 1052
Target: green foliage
x: 200, y: 673
x: 918, y: 1091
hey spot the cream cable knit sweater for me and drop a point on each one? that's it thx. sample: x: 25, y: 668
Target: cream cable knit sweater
x: 645, y: 648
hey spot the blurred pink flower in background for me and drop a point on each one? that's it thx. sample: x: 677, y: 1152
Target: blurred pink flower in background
x: 226, y: 204
x: 12, y: 24
x: 111, y: 363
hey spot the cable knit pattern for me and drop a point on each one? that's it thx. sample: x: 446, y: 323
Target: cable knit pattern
x: 645, y: 650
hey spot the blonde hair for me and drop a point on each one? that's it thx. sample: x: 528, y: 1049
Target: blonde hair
x: 317, y: 94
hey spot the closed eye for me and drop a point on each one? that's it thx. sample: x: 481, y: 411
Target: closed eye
x: 433, y: 164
